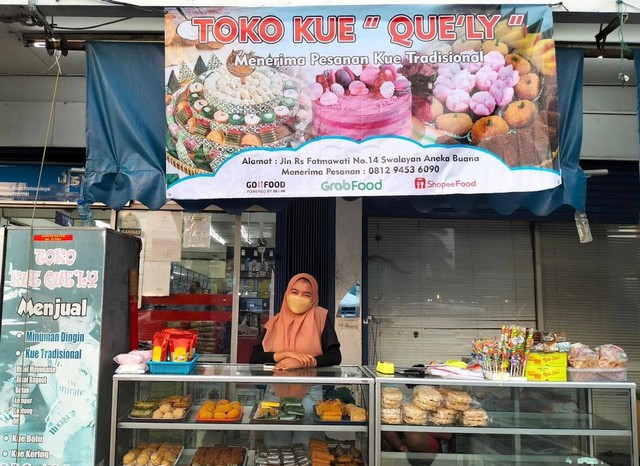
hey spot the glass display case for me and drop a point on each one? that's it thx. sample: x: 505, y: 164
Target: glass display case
x: 192, y: 427
x: 526, y: 423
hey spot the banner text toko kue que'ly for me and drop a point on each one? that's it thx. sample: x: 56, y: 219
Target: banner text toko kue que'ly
x: 355, y: 101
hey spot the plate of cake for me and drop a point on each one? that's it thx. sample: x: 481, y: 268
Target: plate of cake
x: 218, y: 109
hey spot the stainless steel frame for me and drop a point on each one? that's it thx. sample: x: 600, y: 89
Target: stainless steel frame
x: 222, y: 373
x: 590, y: 433
x: 211, y: 373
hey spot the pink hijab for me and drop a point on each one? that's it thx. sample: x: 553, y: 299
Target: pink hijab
x: 291, y: 332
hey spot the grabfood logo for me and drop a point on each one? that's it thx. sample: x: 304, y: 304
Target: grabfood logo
x: 352, y: 185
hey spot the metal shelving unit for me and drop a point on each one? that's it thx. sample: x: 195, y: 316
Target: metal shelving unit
x: 584, y: 436
x: 126, y: 388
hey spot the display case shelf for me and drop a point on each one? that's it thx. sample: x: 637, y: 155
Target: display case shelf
x: 530, y: 423
x: 125, y: 432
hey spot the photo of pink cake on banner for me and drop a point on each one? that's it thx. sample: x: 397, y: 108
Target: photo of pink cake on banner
x: 360, y: 102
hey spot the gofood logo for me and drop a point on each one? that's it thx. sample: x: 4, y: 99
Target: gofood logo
x: 265, y: 184
x: 352, y: 185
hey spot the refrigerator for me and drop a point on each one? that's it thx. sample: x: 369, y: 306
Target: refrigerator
x: 65, y: 315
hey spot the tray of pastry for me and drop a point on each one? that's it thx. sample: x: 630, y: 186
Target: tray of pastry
x: 336, y: 412
x: 151, y: 454
x: 220, y: 454
x: 220, y: 411
x: 172, y: 408
x: 285, y: 411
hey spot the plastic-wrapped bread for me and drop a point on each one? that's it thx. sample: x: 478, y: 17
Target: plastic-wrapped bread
x: 391, y: 397
x: 427, y: 398
x: 413, y: 415
x: 443, y: 416
x: 391, y: 415
x: 474, y: 417
x: 457, y: 400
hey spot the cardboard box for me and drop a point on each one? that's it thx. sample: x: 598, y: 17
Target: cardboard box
x: 546, y: 373
x: 597, y: 374
x: 547, y: 359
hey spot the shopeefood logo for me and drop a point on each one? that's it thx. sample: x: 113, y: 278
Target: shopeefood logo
x: 352, y: 185
x: 423, y: 183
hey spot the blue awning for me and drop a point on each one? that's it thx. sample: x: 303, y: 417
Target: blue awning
x: 126, y: 139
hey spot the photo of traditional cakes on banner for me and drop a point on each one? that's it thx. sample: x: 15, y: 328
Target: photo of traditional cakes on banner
x: 217, y: 108
x: 500, y: 95
x: 502, y: 99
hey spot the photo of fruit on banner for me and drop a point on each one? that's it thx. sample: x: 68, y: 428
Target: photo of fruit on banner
x: 479, y: 76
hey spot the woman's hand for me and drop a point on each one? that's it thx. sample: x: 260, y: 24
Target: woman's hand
x: 288, y: 364
x: 295, y: 363
x: 306, y: 360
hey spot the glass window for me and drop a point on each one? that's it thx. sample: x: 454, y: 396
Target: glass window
x: 196, y: 291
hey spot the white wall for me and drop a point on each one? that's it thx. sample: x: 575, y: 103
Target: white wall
x: 25, y: 105
x: 348, y: 272
x: 610, y: 111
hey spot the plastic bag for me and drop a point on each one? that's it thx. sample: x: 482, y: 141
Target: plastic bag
x: 129, y: 358
x: 196, y: 230
x: 582, y: 357
x: 611, y: 356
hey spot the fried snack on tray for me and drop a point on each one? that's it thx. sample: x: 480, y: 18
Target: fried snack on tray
x: 331, y: 416
x: 355, y: 413
x: 330, y: 410
x: 334, y: 410
x: 319, y: 453
x: 178, y: 401
x: 153, y: 453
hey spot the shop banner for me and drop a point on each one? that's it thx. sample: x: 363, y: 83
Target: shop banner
x: 59, y: 183
x: 355, y: 101
x: 50, y: 347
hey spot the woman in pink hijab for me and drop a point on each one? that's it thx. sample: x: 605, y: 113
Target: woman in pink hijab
x: 300, y: 335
